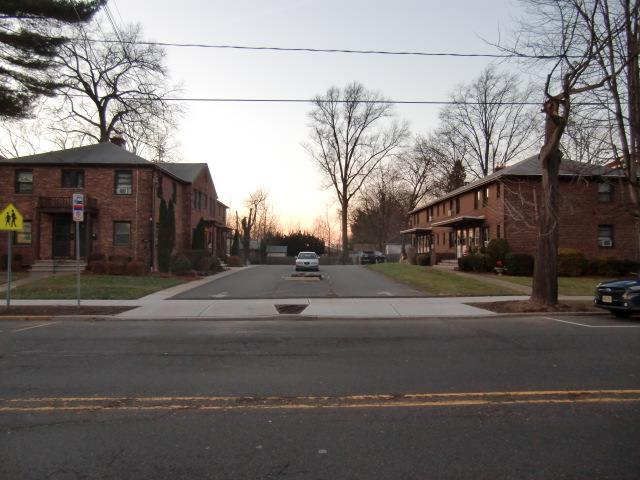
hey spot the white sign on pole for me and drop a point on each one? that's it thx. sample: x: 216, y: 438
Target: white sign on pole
x: 78, y: 207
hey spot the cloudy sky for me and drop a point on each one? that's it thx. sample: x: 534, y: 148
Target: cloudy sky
x: 252, y: 145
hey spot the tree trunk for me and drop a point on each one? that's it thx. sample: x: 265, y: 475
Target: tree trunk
x: 345, y: 238
x: 545, y: 275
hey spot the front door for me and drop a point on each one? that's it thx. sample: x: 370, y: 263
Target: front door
x: 62, y: 236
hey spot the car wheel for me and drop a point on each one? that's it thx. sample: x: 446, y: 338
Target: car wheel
x: 621, y: 313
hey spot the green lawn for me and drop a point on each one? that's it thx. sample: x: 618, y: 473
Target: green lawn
x: 14, y: 276
x: 566, y: 285
x: 438, y: 282
x: 93, y: 287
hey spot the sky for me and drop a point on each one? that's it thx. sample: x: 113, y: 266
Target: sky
x: 261, y: 145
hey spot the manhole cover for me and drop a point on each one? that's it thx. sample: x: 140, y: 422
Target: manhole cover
x: 293, y: 309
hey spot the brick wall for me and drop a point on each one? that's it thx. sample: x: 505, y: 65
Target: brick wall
x: 580, y: 214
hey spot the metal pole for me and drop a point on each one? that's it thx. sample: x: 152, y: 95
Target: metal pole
x: 9, y: 242
x: 78, y: 261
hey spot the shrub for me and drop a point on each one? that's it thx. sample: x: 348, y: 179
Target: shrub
x: 115, y: 268
x: 612, y: 267
x: 497, y: 249
x: 136, y: 268
x: 571, y: 263
x: 121, y: 259
x: 215, y: 265
x: 473, y: 263
x: 423, y: 260
x: 235, y: 261
x: 202, y: 265
x: 96, y: 257
x: 181, y: 265
x: 97, y: 267
x: 196, y: 256
x: 519, y: 264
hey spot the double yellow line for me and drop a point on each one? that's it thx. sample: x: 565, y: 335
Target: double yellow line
x: 229, y: 403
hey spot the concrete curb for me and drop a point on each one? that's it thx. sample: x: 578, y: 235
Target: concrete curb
x: 291, y: 317
x: 41, y: 318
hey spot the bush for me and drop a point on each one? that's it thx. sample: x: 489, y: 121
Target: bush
x: 612, y: 267
x: 571, y: 263
x: 203, y: 263
x: 215, y: 265
x: 136, y: 268
x: 181, y: 265
x: 97, y: 267
x: 235, y: 261
x: 473, y: 263
x: 115, y: 268
x: 121, y: 259
x: 497, y: 249
x: 423, y: 260
x: 519, y: 264
x: 96, y: 257
x: 16, y: 264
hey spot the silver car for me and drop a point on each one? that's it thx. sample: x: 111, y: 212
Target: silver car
x: 307, y: 261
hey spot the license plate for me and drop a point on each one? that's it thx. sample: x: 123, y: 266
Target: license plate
x: 607, y: 299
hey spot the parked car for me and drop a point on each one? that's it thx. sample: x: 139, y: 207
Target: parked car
x: 367, y: 257
x: 380, y: 257
x: 307, y: 261
x: 620, y: 297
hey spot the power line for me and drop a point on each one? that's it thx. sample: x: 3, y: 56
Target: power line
x: 331, y: 50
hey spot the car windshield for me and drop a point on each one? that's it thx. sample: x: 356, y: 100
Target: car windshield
x: 307, y: 255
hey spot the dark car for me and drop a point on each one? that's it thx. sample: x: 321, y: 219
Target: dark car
x: 620, y: 297
x: 367, y: 256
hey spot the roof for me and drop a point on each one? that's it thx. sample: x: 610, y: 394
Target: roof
x: 184, y: 171
x: 529, y: 167
x: 105, y: 153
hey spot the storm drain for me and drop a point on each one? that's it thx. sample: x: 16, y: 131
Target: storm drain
x: 291, y: 309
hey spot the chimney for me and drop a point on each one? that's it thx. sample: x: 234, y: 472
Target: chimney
x: 500, y: 166
x: 119, y: 141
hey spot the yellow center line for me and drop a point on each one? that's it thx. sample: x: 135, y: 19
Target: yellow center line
x: 224, y: 403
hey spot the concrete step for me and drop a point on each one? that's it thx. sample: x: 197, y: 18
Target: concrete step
x: 53, y: 266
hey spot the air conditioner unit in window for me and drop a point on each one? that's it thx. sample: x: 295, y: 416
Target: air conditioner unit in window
x: 605, y: 242
x: 123, y: 190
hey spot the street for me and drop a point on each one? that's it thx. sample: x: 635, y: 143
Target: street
x: 275, y: 281
x: 521, y: 397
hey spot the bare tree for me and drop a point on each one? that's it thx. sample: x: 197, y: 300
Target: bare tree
x: 564, y: 30
x: 20, y: 137
x: 256, y: 205
x: 349, y: 140
x: 490, y: 118
x: 114, y: 86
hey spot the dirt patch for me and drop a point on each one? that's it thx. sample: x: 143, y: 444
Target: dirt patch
x: 525, y: 306
x: 53, y: 310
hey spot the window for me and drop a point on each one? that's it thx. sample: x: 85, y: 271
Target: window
x: 121, y: 234
x: 174, y: 192
x: 124, y: 182
x: 23, y: 237
x: 485, y: 197
x: 24, y: 181
x: 206, y: 201
x: 195, y: 199
x: 452, y: 239
x: 457, y: 205
x: 476, y: 199
x: 159, y: 191
x: 72, y: 178
x: 605, y: 236
x: 605, y: 192
x: 498, y: 231
x: 485, y: 235
x: 497, y: 190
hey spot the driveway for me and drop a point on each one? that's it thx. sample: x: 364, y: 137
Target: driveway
x: 275, y: 281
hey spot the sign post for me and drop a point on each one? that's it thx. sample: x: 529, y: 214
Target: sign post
x: 78, y: 216
x: 11, y: 221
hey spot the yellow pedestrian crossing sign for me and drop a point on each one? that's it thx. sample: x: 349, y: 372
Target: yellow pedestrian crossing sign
x: 11, y: 219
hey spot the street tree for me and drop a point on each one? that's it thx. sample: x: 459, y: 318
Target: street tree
x: 491, y: 120
x: 31, y: 36
x: 349, y: 139
x: 115, y: 86
x: 565, y: 31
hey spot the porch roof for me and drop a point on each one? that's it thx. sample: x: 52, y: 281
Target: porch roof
x: 416, y: 230
x: 460, y: 221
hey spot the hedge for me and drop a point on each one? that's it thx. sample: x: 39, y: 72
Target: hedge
x: 519, y: 264
x: 423, y: 260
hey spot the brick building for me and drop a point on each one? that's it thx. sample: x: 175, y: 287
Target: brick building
x: 122, y: 200
x: 594, y: 217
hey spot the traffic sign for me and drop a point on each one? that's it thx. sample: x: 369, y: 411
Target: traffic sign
x: 78, y: 207
x: 11, y: 219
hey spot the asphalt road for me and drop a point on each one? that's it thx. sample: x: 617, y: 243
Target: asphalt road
x: 380, y: 399
x: 275, y: 281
